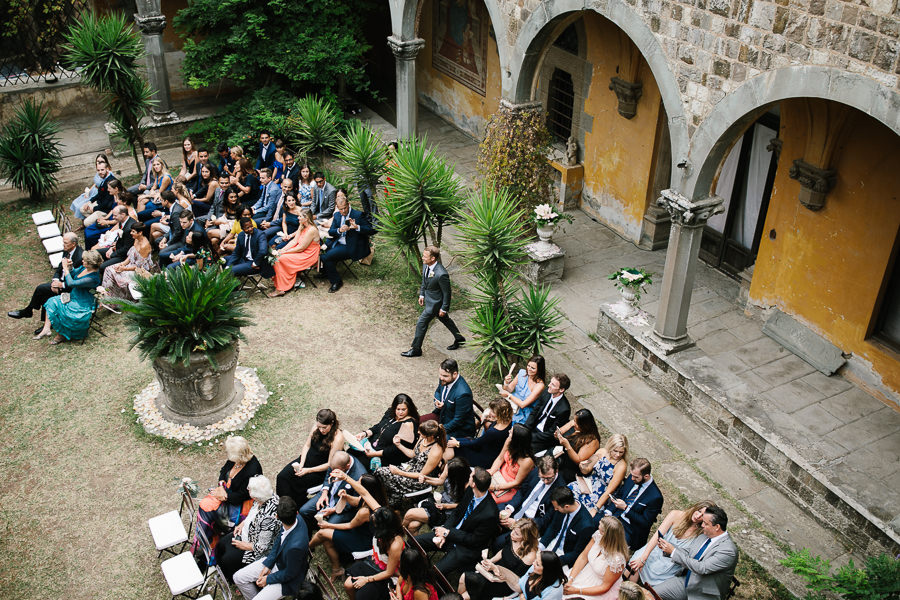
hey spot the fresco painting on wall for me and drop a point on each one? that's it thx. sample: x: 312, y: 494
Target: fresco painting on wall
x: 460, y: 42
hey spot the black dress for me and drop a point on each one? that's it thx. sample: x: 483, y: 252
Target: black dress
x: 288, y: 484
x: 384, y: 432
x: 479, y: 587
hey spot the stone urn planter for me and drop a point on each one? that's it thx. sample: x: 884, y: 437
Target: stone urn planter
x: 200, y: 391
x: 545, y: 233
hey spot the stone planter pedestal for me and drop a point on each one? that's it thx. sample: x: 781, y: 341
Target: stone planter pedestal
x: 547, y: 263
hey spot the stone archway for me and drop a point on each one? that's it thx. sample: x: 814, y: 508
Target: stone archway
x: 518, y: 79
x: 729, y: 117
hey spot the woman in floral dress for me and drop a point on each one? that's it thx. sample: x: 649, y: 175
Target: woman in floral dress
x: 426, y: 462
x: 602, y: 474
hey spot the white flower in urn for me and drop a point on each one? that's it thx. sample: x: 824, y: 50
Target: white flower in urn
x: 545, y: 215
x: 631, y: 281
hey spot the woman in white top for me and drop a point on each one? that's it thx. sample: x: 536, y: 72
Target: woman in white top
x: 597, y: 571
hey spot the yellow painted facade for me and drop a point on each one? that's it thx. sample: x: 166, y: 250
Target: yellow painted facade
x: 453, y: 101
x: 618, y: 152
x: 826, y: 268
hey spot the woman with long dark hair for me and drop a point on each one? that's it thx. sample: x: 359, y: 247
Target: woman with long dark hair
x: 579, y: 439
x: 426, y: 461
x: 454, y: 478
x: 370, y: 578
x: 526, y: 388
x: 311, y: 467
x: 512, y: 466
x: 413, y: 582
x: 544, y: 580
x: 392, y: 439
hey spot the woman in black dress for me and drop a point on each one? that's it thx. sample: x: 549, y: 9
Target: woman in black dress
x: 392, y: 439
x: 579, y: 439
x: 311, y: 467
x: 483, y: 450
x: 496, y: 576
x: 454, y: 478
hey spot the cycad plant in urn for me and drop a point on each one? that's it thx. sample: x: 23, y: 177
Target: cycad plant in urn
x: 188, y: 322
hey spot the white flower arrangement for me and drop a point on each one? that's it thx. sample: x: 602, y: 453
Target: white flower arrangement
x: 633, y: 279
x: 545, y: 215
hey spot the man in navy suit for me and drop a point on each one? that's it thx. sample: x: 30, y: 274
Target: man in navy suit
x: 266, y: 154
x: 638, y: 504
x: 291, y: 169
x: 566, y: 530
x: 534, y: 500
x: 269, y: 196
x: 349, y: 238
x: 281, y: 572
x: 434, y: 296
x: 250, y: 252
x: 325, y: 502
x: 176, y: 240
x: 453, y: 402
x: 551, y: 410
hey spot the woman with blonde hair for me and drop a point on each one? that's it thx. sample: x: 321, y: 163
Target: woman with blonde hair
x: 632, y: 591
x: 301, y: 253
x: 162, y: 181
x: 602, y: 473
x: 597, y: 572
x: 679, y: 528
x: 69, y: 314
x: 497, y: 576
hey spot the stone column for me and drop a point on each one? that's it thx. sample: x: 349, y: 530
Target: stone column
x: 688, y: 218
x: 405, y: 52
x: 152, y: 22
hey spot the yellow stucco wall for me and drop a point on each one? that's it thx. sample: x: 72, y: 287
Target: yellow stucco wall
x: 826, y: 268
x: 618, y: 152
x: 450, y: 99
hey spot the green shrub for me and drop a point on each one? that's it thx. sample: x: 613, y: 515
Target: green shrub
x: 878, y: 580
x: 315, y: 127
x: 30, y: 154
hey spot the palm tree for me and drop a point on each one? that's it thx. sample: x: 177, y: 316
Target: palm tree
x: 363, y: 151
x: 30, y: 154
x: 314, y: 124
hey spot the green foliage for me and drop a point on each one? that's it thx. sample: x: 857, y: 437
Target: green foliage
x: 239, y: 123
x: 536, y: 317
x: 314, y: 126
x: 43, y: 22
x: 302, y: 44
x: 878, y: 580
x: 424, y: 197
x: 30, y: 154
x: 513, y: 156
x: 107, y: 51
x: 186, y: 310
x: 362, y: 150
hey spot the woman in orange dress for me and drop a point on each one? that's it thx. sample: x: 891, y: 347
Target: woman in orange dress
x: 300, y: 254
x: 512, y: 466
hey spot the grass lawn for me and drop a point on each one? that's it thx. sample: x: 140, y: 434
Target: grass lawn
x: 81, y: 476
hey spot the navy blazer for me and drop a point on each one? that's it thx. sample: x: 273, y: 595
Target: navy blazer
x: 291, y: 557
x: 457, y: 415
x: 479, y: 528
x: 643, y: 512
x: 357, y: 241
x: 258, y: 251
x: 481, y: 451
x: 577, y: 535
x: 546, y: 505
x: 269, y: 161
x: 357, y: 470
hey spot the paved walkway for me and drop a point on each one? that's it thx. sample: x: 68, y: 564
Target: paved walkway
x: 849, y: 437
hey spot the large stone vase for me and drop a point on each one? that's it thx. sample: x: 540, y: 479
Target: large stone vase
x: 198, y: 393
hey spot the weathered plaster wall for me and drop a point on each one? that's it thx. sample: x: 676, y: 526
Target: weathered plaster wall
x: 448, y: 98
x: 826, y: 268
x: 618, y: 152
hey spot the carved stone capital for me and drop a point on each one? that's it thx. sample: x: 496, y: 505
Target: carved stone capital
x: 628, y: 94
x: 405, y: 49
x: 533, y: 106
x: 150, y: 24
x: 815, y: 183
x: 689, y: 213
x: 775, y: 145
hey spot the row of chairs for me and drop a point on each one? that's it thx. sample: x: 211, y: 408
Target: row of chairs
x: 51, y: 225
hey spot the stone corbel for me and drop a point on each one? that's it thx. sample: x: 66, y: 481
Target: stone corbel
x: 825, y: 123
x: 815, y: 183
x: 689, y: 213
x: 150, y: 24
x: 625, y: 84
x: 405, y: 49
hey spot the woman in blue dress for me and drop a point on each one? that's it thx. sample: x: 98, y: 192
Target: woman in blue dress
x: 304, y: 187
x: 526, y: 388
x: 101, y: 163
x: 278, y: 163
x: 290, y: 222
x: 69, y: 314
x: 602, y: 474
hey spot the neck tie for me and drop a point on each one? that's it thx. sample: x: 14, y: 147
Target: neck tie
x: 557, y: 543
x: 632, y: 496
x: 532, y: 499
x: 696, y: 556
x: 469, y: 510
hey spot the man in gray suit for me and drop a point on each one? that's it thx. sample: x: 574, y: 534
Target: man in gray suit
x: 323, y: 197
x: 434, y: 295
x: 709, y: 562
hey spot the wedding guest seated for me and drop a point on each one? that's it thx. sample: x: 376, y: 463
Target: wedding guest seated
x: 269, y: 195
x: 250, y: 252
x: 567, y: 529
x: 285, y: 225
x: 413, y: 583
x: 638, y: 504
x: 526, y: 388
x: 311, y: 467
x: 197, y: 250
x: 234, y: 228
x: 602, y: 474
x: 207, y: 184
x: 392, y: 439
x: 72, y: 253
x: 324, y: 197
x: 148, y: 202
x: 278, y: 163
x: 426, y: 462
x: 370, y: 578
x: 534, y: 500
x: 226, y: 163
x: 116, y: 253
x: 355, y: 535
x: 648, y: 564
x: 325, y: 507
x: 102, y: 176
x: 454, y: 479
x: 188, y: 160
x: 71, y: 318
x: 232, y: 491
x: 483, y: 450
x: 149, y: 151
x: 168, y: 212
x: 512, y: 466
x: 629, y: 590
x: 246, y: 180
x: 253, y: 538
x: 118, y: 279
x: 348, y: 239
x: 544, y: 580
x: 597, y: 573
x: 176, y: 240
x: 283, y: 571
x: 551, y: 411
x: 498, y: 576
x: 300, y: 254
x: 213, y: 220
x: 107, y: 222
x: 579, y: 439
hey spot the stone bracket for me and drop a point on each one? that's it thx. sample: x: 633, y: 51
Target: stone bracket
x: 405, y: 49
x: 150, y: 24
x: 628, y: 94
x: 815, y: 183
x: 689, y: 212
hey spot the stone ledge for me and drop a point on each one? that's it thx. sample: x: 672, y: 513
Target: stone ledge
x: 783, y: 467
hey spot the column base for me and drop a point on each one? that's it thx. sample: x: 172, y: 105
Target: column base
x: 665, y: 346
x: 164, y: 117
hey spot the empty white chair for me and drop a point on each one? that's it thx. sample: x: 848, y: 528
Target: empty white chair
x: 53, y: 245
x: 43, y: 217
x: 168, y: 531
x: 182, y: 575
x: 55, y: 259
x: 48, y: 230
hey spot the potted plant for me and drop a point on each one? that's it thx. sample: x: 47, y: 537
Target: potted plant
x: 188, y: 322
x: 630, y: 282
x: 545, y: 219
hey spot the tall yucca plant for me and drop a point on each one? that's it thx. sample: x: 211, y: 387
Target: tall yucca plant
x: 536, y: 317
x: 107, y: 52
x: 30, y: 154
x: 186, y: 310
x: 314, y: 125
x: 363, y: 152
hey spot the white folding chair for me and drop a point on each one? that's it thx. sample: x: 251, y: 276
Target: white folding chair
x: 168, y: 529
x: 43, y: 217
x: 55, y: 259
x: 219, y: 583
x: 48, y: 231
x: 182, y: 574
x: 53, y: 245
